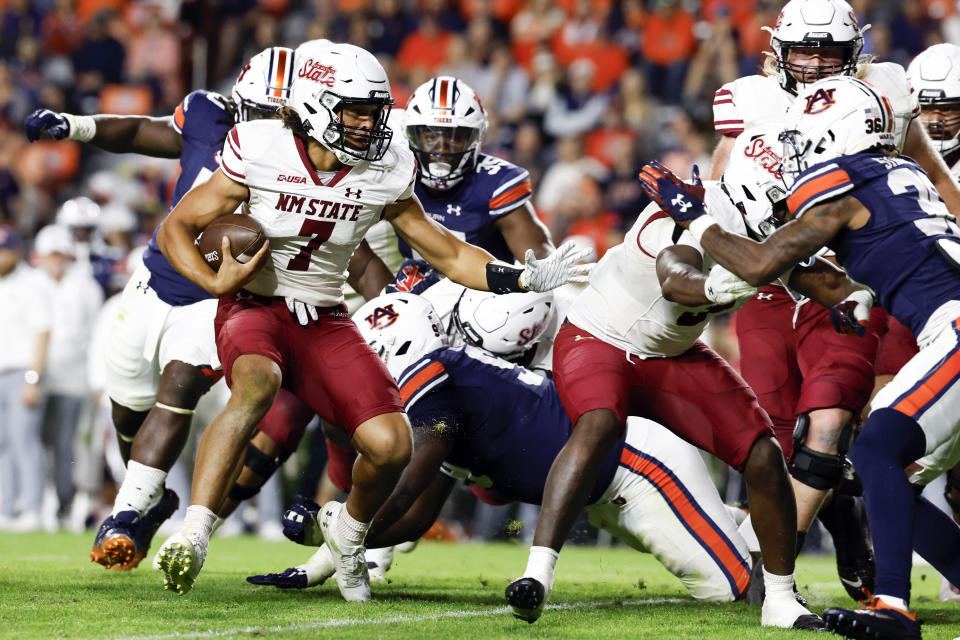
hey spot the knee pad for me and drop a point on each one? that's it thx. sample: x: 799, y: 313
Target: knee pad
x: 262, y: 465
x: 815, y: 469
x: 952, y: 491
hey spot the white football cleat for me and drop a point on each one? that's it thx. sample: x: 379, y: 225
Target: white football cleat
x: 379, y: 562
x: 407, y: 547
x: 948, y: 592
x: 180, y: 559
x: 352, y: 575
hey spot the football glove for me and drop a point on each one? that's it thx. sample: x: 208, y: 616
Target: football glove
x: 44, y: 123
x: 414, y: 276
x: 724, y: 286
x: 557, y: 269
x: 682, y: 201
x: 303, y: 312
x: 852, y: 315
x: 311, y: 573
x: 300, y: 522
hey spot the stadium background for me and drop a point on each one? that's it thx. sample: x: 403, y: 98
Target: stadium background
x: 581, y: 93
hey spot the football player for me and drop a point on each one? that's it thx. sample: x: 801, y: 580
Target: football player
x: 315, y: 181
x: 630, y: 347
x: 653, y: 492
x: 812, y: 382
x: 881, y: 215
x: 163, y: 357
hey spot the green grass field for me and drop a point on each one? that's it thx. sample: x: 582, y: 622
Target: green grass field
x: 49, y: 589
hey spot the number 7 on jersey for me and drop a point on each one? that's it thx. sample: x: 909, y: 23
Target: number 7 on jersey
x: 319, y: 231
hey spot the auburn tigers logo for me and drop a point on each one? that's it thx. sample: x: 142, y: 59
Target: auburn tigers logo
x: 382, y: 317
x: 814, y: 101
x: 408, y: 278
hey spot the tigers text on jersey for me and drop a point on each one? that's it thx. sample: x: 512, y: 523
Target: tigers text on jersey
x: 313, y: 221
x: 497, y: 187
x: 203, y: 122
x: 908, y: 251
x: 507, y: 422
x: 624, y: 306
x: 755, y: 100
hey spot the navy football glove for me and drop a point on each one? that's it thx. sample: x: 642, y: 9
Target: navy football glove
x: 300, y: 522
x: 681, y: 200
x: 852, y: 315
x: 292, y: 578
x: 44, y: 123
x: 414, y: 276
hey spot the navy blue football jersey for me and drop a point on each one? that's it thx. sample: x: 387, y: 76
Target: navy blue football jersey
x: 469, y: 210
x: 203, y: 121
x: 896, y: 253
x: 507, y: 423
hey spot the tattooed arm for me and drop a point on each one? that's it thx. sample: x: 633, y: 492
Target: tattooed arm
x: 759, y: 263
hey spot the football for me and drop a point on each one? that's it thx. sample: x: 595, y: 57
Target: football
x: 245, y: 234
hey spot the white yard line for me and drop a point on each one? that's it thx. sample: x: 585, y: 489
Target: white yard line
x: 354, y: 622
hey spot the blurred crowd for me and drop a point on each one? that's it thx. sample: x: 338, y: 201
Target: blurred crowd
x: 580, y: 92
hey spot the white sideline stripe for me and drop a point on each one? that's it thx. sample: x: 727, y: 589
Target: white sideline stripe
x: 354, y: 622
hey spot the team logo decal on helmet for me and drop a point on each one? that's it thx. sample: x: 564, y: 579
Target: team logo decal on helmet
x: 401, y: 328
x: 753, y: 180
x: 821, y: 95
x: 382, y: 317
x: 264, y: 83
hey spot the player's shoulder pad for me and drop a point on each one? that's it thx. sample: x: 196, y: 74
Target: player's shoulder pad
x: 830, y: 179
x: 503, y: 184
x: 257, y: 139
x: 891, y: 80
x: 423, y: 376
x: 652, y: 232
x: 732, y: 102
x: 199, y: 112
x: 722, y: 209
x: 396, y: 172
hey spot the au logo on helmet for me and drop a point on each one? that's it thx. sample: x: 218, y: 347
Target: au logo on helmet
x: 824, y: 96
x: 382, y: 317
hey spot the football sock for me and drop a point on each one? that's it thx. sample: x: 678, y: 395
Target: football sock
x: 780, y: 606
x: 142, y: 488
x: 749, y: 535
x: 889, y: 442
x: 199, y: 520
x: 350, y: 530
x: 541, y: 565
x: 936, y: 537
x: 899, y: 603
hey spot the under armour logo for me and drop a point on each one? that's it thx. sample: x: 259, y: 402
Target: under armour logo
x: 764, y: 296
x: 142, y: 286
x: 681, y: 203
x: 453, y: 209
x: 350, y: 194
x: 578, y: 338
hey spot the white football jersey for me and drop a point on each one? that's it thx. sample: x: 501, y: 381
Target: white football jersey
x: 313, y: 220
x: 754, y: 100
x: 624, y: 306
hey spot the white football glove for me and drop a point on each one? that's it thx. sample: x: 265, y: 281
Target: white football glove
x: 557, y: 269
x: 303, y: 312
x: 724, y: 286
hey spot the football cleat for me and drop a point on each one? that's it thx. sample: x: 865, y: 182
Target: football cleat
x: 379, y: 562
x: 948, y: 592
x: 846, y: 520
x: 180, y: 559
x: 527, y: 597
x: 353, y: 577
x: 877, y: 620
x: 124, y: 539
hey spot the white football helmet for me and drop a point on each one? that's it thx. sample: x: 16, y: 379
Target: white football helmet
x: 331, y: 77
x: 79, y: 212
x: 264, y: 84
x: 401, y: 328
x: 445, y: 125
x: 834, y: 117
x: 506, y: 325
x: 815, y: 23
x: 753, y: 179
x: 935, y: 76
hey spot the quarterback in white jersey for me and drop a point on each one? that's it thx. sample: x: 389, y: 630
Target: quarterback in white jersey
x: 315, y: 183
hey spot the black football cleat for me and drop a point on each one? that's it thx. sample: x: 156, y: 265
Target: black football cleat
x: 876, y: 621
x: 527, y: 598
x: 810, y: 622
x: 845, y: 518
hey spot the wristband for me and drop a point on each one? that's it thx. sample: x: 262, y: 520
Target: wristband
x: 82, y: 128
x: 503, y: 278
x: 698, y: 226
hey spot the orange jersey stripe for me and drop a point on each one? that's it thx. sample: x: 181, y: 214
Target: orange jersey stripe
x: 691, y: 516
x: 913, y: 403
x: 281, y: 72
x: 178, y: 117
x: 510, y: 195
x: 416, y: 382
x: 815, y: 186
